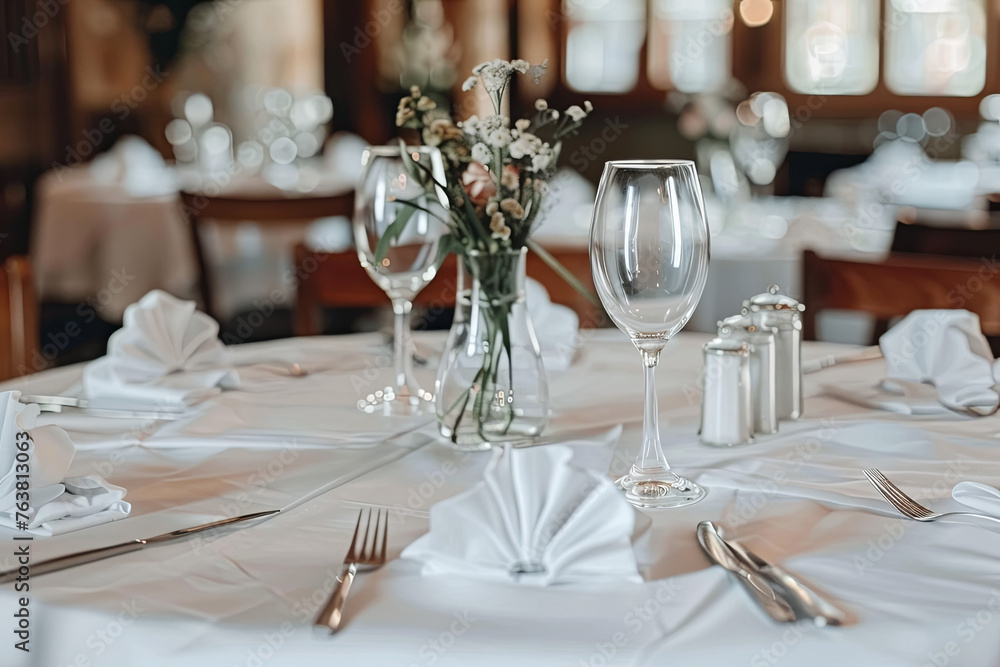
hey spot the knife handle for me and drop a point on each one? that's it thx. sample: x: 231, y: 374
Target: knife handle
x: 332, y: 613
x: 72, y: 560
x: 811, y: 603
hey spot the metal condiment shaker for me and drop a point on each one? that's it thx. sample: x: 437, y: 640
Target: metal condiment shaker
x: 762, y: 369
x: 726, y: 417
x: 783, y: 314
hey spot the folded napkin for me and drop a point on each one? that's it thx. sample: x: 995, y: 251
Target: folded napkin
x: 535, y: 519
x: 136, y: 166
x: 944, y: 348
x: 166, y: 355
x: 556, y: 327
x: 981, y: 497
x: 56, y: 504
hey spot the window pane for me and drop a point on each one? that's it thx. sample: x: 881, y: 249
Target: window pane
x: 603, y: 44
x: 831, y: 46
x: 935, y: 47
x: 689, y: 44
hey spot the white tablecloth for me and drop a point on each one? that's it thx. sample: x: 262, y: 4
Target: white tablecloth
x: 919, y: 593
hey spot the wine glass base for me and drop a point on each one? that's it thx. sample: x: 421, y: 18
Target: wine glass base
x: 392, y: 402
x: 663, y: 491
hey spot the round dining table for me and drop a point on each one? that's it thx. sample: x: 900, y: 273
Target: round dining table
x: 915, y: 593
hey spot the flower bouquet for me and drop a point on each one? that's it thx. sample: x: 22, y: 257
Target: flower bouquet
x: 491, y: 384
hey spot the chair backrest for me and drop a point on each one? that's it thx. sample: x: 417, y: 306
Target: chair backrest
x: 230, y: 210
x: 338, y: 280
x: 899, y: 285
x: 950, y: 241
x: 18, y: 320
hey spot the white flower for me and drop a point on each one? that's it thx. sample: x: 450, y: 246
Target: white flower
x: 587, y: 106
x: 404, y: 115
x: 481, y: 153
x: 503, y: 234
x: 541, y: 160
x: 554, y: 114
x: 470, y: 125
x: 522, y: 124
x: 513, y: 207
x: 576, y: 113
x: 470, y: 83
x: 497, y: 222
x: 537, y: 71
x: 526, y: 144
x: 495, y: 132
x: 541, y: 105
x: 494, y: 74
x: 426, y: 104
x: 508, y: 177
x: 492, y: 207
x: 520, y: 66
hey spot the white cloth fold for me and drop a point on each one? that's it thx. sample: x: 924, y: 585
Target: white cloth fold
x: 947, y: 349
x: 136, y: 166
x: 980, y: 497
x: 535, y: 519
x: 35, y: 495
x: 556, y: 327
x: 167, y: 355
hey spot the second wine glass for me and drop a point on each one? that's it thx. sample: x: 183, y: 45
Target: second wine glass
x: 398, y: 221
x: 649, y: 251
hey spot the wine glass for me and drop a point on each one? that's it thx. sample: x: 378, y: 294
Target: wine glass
x: 649, y: 251
x: 399, y: 218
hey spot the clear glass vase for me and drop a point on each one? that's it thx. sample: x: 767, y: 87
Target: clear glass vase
x: 491, y: 385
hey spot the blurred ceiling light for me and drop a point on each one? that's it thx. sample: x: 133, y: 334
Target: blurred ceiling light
x: 888, y: 120
x: 187, y: 152
x: 250, y: 154
x: 198, y: 110
x: 989, y: 107
x: 216, y: 139
x: 320, y: 107
x: 278, y: 101
x: 306, y: 143
x: 938, y: 122
x: 832, y: 46
x: 756, y: 12
x: 178, y: 132
x: 283, y: 150
x: 910, y: 127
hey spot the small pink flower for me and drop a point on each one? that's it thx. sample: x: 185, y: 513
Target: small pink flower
x: 478, y: 183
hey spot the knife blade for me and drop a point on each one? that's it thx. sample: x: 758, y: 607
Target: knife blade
x: 103, y: 407
x: 82, y: 557
x: 719, y: 552
x: 822, y: 612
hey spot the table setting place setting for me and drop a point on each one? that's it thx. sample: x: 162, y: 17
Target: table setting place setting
x: 508, y: 497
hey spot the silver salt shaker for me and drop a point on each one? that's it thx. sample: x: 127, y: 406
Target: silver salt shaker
x: 726, y: 417
x: 762, y: 369
x: 783, y: 314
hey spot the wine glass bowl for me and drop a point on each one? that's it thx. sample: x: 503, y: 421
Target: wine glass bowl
x: 649, y: 251
x: 399, y: 216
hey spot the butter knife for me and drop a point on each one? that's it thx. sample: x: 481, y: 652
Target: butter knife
x: 822, y: 612
x: 82, y: 557
x: 717, y: 550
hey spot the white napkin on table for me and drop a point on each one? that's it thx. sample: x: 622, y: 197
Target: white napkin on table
x: 167, y: 354
x: 556, y: 327
x: 136, y: 166
x: 56, y: 504
x: 947, y: 349
x: 535, y: 519
x: 981, y: 497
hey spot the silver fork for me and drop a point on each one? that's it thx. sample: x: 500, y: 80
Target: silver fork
x: 907, y: 505
x: 367, y: 557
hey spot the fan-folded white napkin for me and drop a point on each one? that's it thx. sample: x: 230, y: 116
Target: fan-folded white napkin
x: 56, y: 504
x: 981, y: 497
x: 556, y: 327
x: 167, y: 354
x: 535, y: 519
x: 947, y: 349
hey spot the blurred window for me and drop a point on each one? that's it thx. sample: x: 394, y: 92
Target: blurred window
x: 831, y: 46
x: 689, y: 44
x: 935, y: 47
x: 603, y: 44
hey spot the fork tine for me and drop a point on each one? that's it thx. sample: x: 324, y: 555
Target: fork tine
x: 364, y: 540
x: 916, y: 508
x: 883, y: 491
x: 385, y: 536
x: 354, y: 540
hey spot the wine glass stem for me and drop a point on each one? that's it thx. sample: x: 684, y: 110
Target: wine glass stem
x: 651, y: 459
x: 402, y: 352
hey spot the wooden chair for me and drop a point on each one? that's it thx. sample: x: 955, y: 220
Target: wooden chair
x: 19, y: 337
x: 949, y: 241
x: 230, y: 210
x: 337, y: 280
x: 898, y: 285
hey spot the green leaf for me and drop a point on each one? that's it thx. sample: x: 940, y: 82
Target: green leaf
x: 447, y: 244
x: 563, y: 272
x: 392, y: 232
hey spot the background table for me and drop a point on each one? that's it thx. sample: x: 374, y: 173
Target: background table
x: 917, y: 591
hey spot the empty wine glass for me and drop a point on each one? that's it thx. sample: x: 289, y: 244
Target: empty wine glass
x: 649, y: 250
x: 399, y: 218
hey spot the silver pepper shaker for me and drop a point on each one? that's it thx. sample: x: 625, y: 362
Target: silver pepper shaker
x: 783, y: 314
x: 762, y: 369
x: 726, y: 417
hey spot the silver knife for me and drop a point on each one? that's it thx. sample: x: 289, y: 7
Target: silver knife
x: 822, y: 612
x: 82, y: 557
x: 101, y: 407
x: 757, y: 586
